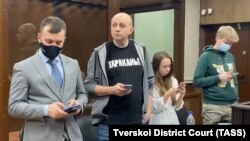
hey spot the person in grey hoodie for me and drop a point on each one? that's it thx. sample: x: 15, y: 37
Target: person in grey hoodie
x: 121, y: 77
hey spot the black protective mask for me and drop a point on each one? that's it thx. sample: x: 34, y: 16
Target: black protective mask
x: 50, y: 51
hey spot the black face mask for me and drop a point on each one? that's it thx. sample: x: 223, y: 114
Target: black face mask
x: 50, y: 51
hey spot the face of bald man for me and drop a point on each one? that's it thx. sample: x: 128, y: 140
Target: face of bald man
x: 121, y: 26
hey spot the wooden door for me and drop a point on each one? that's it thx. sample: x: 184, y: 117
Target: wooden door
x: 240, y: 52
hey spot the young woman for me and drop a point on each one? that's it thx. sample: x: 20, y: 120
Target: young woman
x: 167, y: 94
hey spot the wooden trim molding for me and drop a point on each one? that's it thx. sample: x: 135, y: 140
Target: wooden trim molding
x: 112, y: 9
x: 3, y: 78
x: 133, y: 3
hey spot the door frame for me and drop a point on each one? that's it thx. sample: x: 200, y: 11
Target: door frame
x: 179, y: 29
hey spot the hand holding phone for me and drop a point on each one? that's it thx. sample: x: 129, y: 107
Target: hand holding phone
x: 128, y: 86
x: 71, y: 108
x: 182, y: 85
x: 235, y: 74
x: 182, y: 88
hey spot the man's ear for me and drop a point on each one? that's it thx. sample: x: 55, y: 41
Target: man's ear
x: 39, y: 37
x: 131, y: 30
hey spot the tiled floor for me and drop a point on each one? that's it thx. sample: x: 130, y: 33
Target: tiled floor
x: 14, y: 136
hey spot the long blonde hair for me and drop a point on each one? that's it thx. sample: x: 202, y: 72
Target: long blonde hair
x: 164, y: 83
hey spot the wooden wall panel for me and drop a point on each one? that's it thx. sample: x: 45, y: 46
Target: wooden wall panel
x: 133, y: 3
x: 240, y: 11
x: 86, y: 25
x: 2, y: 134
x: 113, y: 8
x: 86, y: 29
x: 192, y: 102
x: 3, y: 75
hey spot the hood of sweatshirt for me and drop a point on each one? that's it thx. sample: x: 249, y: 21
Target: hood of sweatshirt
x: 211, y: 48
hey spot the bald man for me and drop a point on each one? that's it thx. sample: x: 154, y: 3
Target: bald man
x: 121, y: 76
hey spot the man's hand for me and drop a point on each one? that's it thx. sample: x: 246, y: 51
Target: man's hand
x: 119, y: 90
x: 55, y: 110
x: 225, y: 76
x: 72, y: 103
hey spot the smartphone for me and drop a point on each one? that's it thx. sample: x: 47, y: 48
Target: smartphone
x: 71, y: 108
x: 182, y: 84
x: 235, y: 74
x: 128, y: 86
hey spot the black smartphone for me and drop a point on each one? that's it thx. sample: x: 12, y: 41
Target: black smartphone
x: 128, y: 86
x: 235, y: 74
x: 71, y: 108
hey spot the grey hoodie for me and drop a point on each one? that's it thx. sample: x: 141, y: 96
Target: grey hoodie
x: 96, y: 75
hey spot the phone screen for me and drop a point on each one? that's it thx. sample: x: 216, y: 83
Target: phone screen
x: 127, y: 86
x: 72, y: 108
x: 235, y: 74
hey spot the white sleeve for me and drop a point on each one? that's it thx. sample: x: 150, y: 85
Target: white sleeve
x: 158, y: 102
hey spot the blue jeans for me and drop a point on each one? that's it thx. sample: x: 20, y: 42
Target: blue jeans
x: 103, y: 132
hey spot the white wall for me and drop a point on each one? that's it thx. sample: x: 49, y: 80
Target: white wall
x: 155, y: 30
x: 191, y: 42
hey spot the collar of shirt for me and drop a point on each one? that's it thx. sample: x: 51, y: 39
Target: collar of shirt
x: 46, y: 59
